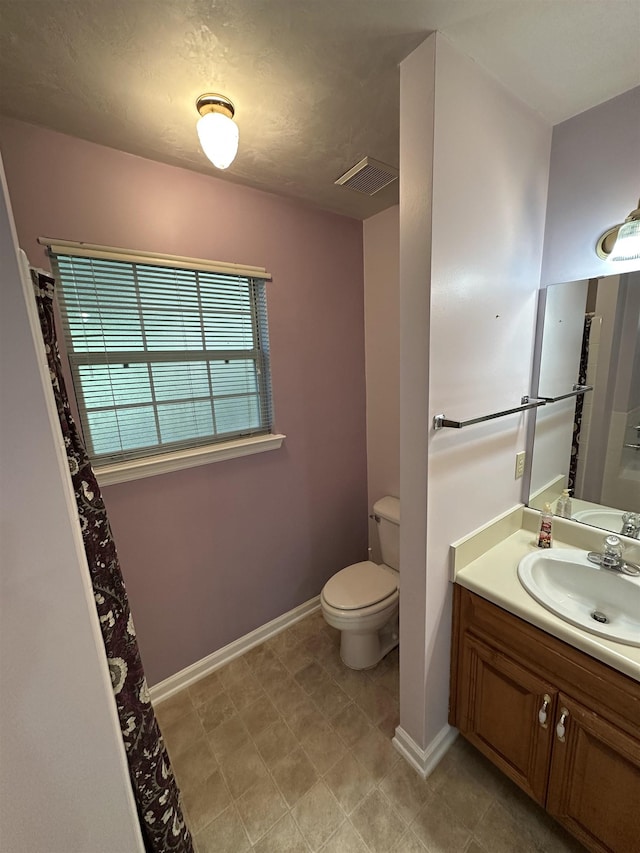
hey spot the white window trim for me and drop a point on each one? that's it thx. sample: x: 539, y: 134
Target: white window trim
x: 150, y: 466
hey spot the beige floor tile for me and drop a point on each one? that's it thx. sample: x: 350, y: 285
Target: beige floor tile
x: 225, y: 834
x: 295, y: 658
x: 345, y: 840
x: 204, y: 802
x: 352, y: 681
x: 389, y: 725
x: 179, y: 736
x: 376, y: 702
x: 351, y: 724
x: 330, y: 699
x: 194, y: 764
x: 318, y: 644
x: 234, y: 671
x: 295, y: 775
x: 465, y: 797
x: 204, y: 689
x: 274, y: 677
x: 305, y: 718
x: 349, y: 782
x: 275, y: 742
x: 270, y: 664
x: 377, y: 822
x: 410, y: 844
x: 391, y: 681
x: 171, y: 710
x: 228, y: 736
x: 406, y: 790
x: 242, y: 769
x: 257, y: 657
x: 318, y: 815
x: 376, y: 753
x: 244, y: 692
x: 500, y: 832
x: 439, y: 828
x: 324, y: 747
x: 260, y: 808
x: 285, y: 837
x: 289, y: 697
x: 216, y: 711
x: 313, y: 677
x: 259, y: 715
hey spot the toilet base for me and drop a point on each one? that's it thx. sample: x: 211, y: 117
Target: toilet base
x: 363, y: 650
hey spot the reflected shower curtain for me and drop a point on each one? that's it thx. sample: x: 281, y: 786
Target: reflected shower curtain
x: 155, y: 791
x: 577, y: 420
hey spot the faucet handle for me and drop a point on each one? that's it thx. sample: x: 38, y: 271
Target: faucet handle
x: 612, y: 555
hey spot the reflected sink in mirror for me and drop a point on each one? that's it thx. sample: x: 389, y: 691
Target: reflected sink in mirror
x: 597, y: 600
x: 607, y: 519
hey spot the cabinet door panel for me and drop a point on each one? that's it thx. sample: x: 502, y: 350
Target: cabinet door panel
x: 498, y: 706
x: 594, y: 784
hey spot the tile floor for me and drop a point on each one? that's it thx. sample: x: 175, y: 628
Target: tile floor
x: 284, y: 750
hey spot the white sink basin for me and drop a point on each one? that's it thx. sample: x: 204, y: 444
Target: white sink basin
x: 565, y: 582
x: 607, y: 519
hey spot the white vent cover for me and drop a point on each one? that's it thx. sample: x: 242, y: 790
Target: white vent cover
x: 368, y: 176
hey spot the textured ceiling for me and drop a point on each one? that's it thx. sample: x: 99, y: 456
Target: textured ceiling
x: 315, y: 82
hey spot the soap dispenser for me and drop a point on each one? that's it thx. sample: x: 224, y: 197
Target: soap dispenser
x: 563, y: 505
x: 544, y: 534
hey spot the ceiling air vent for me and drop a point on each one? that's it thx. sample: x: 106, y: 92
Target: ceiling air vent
x: 368, y: 176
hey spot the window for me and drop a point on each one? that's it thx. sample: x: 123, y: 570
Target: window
x: 164, y: 355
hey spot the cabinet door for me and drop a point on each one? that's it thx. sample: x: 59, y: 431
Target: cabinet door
x: 507, y: 712
x: 594, y: 784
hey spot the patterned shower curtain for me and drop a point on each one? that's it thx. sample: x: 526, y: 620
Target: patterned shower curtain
x: 154, y: 787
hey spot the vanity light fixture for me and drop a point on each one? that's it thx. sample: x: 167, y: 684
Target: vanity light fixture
x: 217, y: 131
x: 622, y: 242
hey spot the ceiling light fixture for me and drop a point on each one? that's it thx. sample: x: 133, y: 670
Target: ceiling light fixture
x: 622, y: 242
x: 217, y: 131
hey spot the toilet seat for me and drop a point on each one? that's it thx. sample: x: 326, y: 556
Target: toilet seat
x: 358, y: 586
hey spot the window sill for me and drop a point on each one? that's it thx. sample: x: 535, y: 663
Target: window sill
x: 123, y: 472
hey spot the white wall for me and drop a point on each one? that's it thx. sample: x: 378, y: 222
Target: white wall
x: 64, y: 779
x: 381, y: 238
x: 594, y: 184
x: 470, y: 154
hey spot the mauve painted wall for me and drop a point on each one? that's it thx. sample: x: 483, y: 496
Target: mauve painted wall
x: 209, y: 554
x: 594, y: 184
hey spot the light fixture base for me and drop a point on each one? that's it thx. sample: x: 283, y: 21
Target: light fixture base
x: 211, y: 103
x: 607, y: 241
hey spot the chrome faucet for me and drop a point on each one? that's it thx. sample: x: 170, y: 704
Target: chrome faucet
x: 631, y: 525
x: 612, y: 559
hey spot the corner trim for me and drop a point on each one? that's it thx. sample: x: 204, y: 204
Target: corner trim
x: 190, y: 674
x: 424, y: 761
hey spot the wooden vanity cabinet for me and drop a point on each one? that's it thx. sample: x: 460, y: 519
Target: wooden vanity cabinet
x: 513, y: 685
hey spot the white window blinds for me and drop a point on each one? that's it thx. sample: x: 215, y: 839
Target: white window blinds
x: 163, y: 358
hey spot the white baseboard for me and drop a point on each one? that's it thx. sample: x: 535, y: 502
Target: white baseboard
x: 426, y: 760
x: 226, y: 654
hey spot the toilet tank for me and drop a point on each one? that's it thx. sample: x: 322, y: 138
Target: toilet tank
x: 387, y: 514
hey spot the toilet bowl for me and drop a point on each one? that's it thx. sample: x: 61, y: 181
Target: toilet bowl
x: 362, y: 600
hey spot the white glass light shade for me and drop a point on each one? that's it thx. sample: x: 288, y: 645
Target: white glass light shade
x: 219, y: 138
x: 627, y: 246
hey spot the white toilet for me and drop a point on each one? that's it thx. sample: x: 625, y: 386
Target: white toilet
x: 362, y: 600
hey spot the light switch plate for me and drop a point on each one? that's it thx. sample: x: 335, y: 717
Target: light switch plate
x: 520, y: 459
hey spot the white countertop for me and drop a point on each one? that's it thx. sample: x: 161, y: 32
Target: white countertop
x: 494, y: 576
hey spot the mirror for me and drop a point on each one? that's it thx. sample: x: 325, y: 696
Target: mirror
x: 589, y: 333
